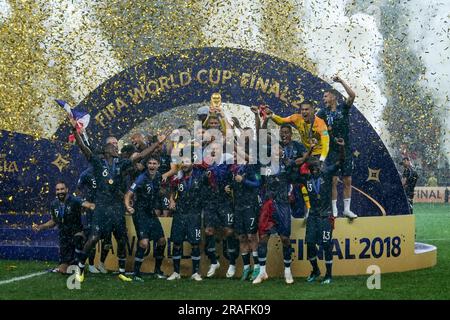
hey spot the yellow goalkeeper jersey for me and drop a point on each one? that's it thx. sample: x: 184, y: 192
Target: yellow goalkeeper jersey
x: 318, y: 131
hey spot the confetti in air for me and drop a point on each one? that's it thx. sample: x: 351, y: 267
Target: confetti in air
x: 395, y: 54
x: 5, y: 11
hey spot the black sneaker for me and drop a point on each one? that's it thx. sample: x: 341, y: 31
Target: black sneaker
x: 159, y: 275
x: 137, y: 279
x: 313, y: 276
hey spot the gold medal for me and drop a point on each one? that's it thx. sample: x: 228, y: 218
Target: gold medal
x: 110, y: 181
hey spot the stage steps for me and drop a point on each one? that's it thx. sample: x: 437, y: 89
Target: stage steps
x: 19, y: 242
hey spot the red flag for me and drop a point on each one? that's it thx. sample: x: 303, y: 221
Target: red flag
x: 262, y: 111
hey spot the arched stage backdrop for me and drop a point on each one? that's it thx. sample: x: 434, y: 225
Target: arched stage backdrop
x: 383, y: 236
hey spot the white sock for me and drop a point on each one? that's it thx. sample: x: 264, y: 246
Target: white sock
x: 247, y: 266
x: 122, y: 270
x: 287, y: 269
x: 334, y: 206
x: 347, y: 204
x: 262, y: 269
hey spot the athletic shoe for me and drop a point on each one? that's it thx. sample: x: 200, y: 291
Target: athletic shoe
x: 159, y: 275
x: 124, y: 278
x: 260, y: 278
x: 255, y: 273
x: 137, y: 279
x: 288, y: 276
x: 231, y: 271
x: 212, y: 269
x: 245, y: 274
x: 101, y: 268
x: 174, y: 276
x: 350, y: 215
x: 313, y: 276
x: 196, y: 276
x: 93, y: 269
x: 326, y: 280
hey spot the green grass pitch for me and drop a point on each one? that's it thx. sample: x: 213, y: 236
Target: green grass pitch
x: 432, y: 224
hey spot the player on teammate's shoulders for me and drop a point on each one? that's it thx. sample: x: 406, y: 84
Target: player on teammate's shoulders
x: 311, y: 128
x: 187, y: 201
x: 146, y: 189
x: 337, y: 118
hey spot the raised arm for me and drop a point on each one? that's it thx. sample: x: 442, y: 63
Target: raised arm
x: 280, y: 120
x: 350, y: 92
x: 149, y: 150
x: 84, y: 149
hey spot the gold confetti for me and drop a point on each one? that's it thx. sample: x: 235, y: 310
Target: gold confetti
x: 66, y: 49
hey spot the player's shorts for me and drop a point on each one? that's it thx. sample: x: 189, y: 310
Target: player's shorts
x: 147, y: 226
x: 218, y: 215
x: 186, y: 227
x: 66, y: 249
x: 109, y: 218
x: 319, y: 230
x: 275, y: 217
x: 246, y: 220
x: 346, y: 168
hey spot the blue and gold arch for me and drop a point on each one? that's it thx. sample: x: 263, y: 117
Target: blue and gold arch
x: 29, y: 167
x: 160, y: 83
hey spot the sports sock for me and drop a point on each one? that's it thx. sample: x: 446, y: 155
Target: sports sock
x: 195, y: 259
x: 176, y: 257
x: 138, y: 259
x: 287, y: 251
